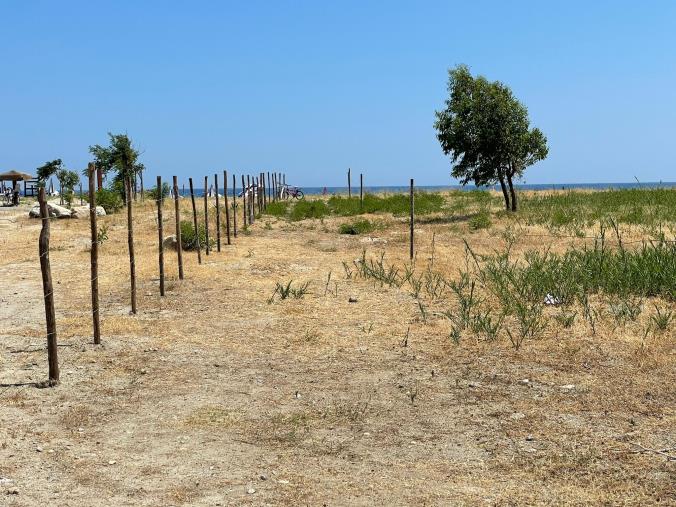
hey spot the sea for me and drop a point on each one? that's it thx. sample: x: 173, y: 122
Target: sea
x: 394, y: 189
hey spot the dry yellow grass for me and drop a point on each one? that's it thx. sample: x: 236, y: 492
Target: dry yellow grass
x: 211, y: 388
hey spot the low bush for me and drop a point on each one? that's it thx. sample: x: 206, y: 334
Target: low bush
x: 309, y: 209
x: 397, y: 204
x: 188, y: 239
x: 277, y: 209
x: 481, y: 220
x: 109, y: 200
x: 358, y: 227
x: 152, y: 193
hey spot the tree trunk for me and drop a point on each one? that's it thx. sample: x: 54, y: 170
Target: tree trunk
x: 504, y: 190
x: 511, y: 190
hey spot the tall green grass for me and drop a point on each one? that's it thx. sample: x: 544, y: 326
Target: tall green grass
x: 397, y: 204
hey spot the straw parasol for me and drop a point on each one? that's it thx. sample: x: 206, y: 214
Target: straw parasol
x: 15, y: 176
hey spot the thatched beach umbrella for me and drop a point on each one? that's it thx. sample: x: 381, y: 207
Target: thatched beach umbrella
x: 15, y: 176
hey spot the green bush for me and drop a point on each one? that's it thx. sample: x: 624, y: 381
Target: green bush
x: 358, y: 227
x: 277, y: 208
x: 188, y: 236
x: 481, y: 220
x: 309, y: 209
x: 109, y: 200
x: 397, y: 204
x: 152, y: 193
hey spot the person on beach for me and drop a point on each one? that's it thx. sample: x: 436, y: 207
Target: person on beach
x: 17, y: 189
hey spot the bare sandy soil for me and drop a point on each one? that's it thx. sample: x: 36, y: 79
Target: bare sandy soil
x: 214, y: 396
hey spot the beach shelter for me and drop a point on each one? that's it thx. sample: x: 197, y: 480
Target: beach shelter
x: 15, y: 176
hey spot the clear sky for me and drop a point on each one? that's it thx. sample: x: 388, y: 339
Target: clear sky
x: 314, y: 87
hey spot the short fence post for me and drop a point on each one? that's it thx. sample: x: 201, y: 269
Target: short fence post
x: 225, y: 204
x: 361, y: 190
x: 179, y: 246
x: 194, y: 220
x: 130, y: 242
x: 48, y: 291
x: 349, y: 184
x: 243, y: 202
x: 81, y: 202
x: 269, y: 188
x: 411, y: 206
x: 218, y: 216
x: 94, y: 255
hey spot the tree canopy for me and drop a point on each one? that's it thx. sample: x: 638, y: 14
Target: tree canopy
x: 119, y: 156
x: 486, y: 132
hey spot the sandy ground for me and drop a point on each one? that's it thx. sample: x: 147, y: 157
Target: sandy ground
x: 214, y: 396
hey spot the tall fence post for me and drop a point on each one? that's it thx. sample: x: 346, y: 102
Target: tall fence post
x: 48, y: 291
x: 207, y: 247
x: 225, y: 204
x: 218, y: 216
x: 130, y: 243
x: 361, y: 190
x: 264, y: 196
x: 234, y: 206
x: 274, y: 186
x: 243, y: 202
x: 349, y: 183
x: 159, y: 232
x: 411, y: 206
x: 269, y: 188
x: 81, y: 202
x: 94, y: 254
x: 194, y: 221
x: 179, y: 245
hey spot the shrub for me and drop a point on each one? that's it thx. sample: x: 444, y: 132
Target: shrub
x: 109, y: 200
x: 152, y: 193
x: 358, y: 227
x: 188, y: 241
x: 309, y: 209
x: 397, y: 204
x: 277, y: 208
x: 481, y: 220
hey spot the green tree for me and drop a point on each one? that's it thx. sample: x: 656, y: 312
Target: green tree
x: 48, y: 169
x: 119, y: 156
x: 67, y: 179
x: 486, y: 132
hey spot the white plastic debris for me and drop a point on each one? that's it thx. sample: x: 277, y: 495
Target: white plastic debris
x: 552, y: 300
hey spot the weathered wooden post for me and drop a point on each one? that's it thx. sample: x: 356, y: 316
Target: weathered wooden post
x: 225, y: 204
x: 179, y: 245
x: 81, y: 202
x: 234, y: 206
x: 48, y: 291
x: 264, y: 196
x: 130, y: 243
x: 269, y: 188
x: 140, y: 175
x: 206, y: 216
x: 99, y: 178
x: 243, y: 202
x: 94, y: 254
x: 274, y: 186
x: 349, y: 184
x: 194, y: 221
x: 159, y: 232
x: 411, y: 206
x: 361, y: 190
x: 218, y: 216
x: 250, y: 201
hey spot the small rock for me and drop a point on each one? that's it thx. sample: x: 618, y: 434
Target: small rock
x: 263, y: 477
x: 170, y: 242
x: 352, y: 300
x: 297, y: 395
x: 473, y: 384
x: 529, y: 438
x: 568, y: 387
x: 282, y: 481
x: 517, y: 416
x: 524, y: 382
x: 6, y: 481
x: 251, y: 491
x: 39, y: 449
x: 112, y: 462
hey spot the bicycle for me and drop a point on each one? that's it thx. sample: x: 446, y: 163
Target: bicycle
x: 293, y: 192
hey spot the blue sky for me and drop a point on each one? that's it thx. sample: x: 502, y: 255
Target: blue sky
x: 312, y: 88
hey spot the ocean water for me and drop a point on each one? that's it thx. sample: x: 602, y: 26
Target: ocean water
x: 393, y: 189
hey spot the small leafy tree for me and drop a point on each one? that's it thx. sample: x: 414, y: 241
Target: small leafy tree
x: 487, y: 133
x: 67, y: 179
x: 119, y: 156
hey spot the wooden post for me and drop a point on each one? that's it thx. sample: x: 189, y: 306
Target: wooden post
x: 361, y: 190
x: 349, y: 184
x: 206, y: 216
x: 81, y: 202
x: 183, y: 189
x: 274, y: 187
x: 179, y: 245
x: 48, y: 291
x: 60, y: 193
x: 159, y: 232
x: 94, y: 255
x: 140, y: 174
x: 225, y: 204
x: 218, y: 216
x: 130, y: 242
x: 99, y: 178
x: 234, y: 206
x: 411, y: 206
x: 243, y: 202
x: 250, y: 203
x: 269, y: 188
x: 265, y: 196
x: 194, y: 221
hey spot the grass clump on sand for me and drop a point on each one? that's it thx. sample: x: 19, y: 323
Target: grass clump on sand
x: 397, y: 204
x: 188, y: 239
x: 308, y: 209
x: 277, y: 208
x: 358, y: 227
x: 481, y: 220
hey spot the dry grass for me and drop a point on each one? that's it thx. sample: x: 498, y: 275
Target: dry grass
x: 332, y: 401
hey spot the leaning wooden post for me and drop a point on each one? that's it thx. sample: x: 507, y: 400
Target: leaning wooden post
x: 206, y: 216
x: 225, y: 204
x: 349, y: 184
x: 194, y: 221
x: 411, y: 206
x: 243, y: 202
x: 234, y: 206
x: 218, y: 216
x: 361, y: 190
x: 179, y: 246
x: 94, y: 255
x: 48, y: 291
x: 159, y: 232
x: 130, y: 243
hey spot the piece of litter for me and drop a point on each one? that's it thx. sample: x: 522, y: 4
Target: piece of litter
x: 552, y: 300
